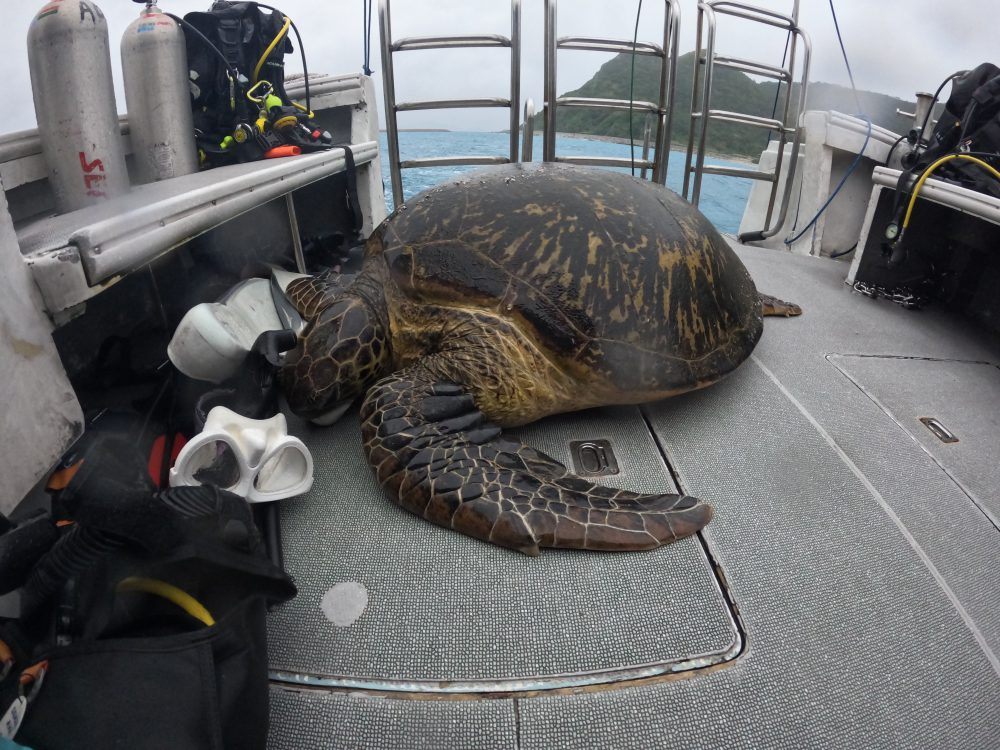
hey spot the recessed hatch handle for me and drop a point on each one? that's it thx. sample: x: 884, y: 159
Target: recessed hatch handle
x: 941, y: 432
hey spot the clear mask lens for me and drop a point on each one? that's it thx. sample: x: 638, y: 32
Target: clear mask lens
x: 215, y: 463
x: 281, y: 471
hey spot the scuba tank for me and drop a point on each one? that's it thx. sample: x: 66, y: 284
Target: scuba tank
x: 74, y: 99
x: 157, y: 94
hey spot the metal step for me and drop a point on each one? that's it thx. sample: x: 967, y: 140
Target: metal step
x: 619, y: 104
x: 600, y: 44
x: 452, y: 161
x: 457, y: 41
x: 451, y: 42
x: 767, y: 123
x: 702, y: 112
x: 749, y: 174
x: 606, y: 161
x: 452, y: 104
x: 753, y: 67
x: 662, y: 109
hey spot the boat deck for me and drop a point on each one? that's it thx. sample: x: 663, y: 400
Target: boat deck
x: 845, y: 595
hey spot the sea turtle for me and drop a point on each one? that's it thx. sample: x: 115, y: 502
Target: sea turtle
x: 506, y: 296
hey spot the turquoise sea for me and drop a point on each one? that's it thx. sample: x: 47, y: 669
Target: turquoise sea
x: 722, y: 198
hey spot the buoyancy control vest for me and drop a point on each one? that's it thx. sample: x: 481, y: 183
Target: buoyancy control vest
x: 970, y: 124
x: 240, y: 107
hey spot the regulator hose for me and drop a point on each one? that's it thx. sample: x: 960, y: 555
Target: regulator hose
x: 270, y: 48
x: 302, y: 53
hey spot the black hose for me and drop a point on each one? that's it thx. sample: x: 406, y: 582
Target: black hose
x: 79, y: 549
x: 927, y: 117
x: 891, y: 149
x: 842, y: 253
x: 302, y: 53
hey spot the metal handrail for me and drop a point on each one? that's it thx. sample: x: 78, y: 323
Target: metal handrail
x: 702, y: 113
x: 452, y: 104
x: 662, y: 109
x: 450, y: 42
x: 528, y: 137
x: 602, y: 44
x: 760, y: 15
x: 392, y: 108
x: 595, y: 103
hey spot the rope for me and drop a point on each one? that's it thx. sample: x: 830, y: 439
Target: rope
x: 860, y: 154
x: 843, y: 181
x: 850, y: 75
x: 366, y: 31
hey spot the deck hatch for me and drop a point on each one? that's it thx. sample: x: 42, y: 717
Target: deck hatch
x: 961, y: 435
x: 447, y: 614
x: 593, y: 458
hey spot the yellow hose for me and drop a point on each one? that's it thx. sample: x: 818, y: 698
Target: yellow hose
x: 309, y: 114
x: 931, y: 168
x: 170, y: 592
x: 270, y: 48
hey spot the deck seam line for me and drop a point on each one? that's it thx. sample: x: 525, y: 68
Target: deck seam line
x: 914, y: 544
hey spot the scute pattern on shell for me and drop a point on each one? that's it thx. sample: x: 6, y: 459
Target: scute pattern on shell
x: 612, y: 275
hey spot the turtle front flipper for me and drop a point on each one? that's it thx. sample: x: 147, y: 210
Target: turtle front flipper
x: 774, y: 306
x: 440, y: 459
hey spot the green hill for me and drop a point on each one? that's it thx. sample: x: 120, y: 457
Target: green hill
x: 731, y: 90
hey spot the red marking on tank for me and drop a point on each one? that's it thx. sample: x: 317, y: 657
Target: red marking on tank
x: 91, y: 180
x: 90, y: 166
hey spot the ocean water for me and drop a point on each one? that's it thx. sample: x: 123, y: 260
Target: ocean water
x: 722, y: 198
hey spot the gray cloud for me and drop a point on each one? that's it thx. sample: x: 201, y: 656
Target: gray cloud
x: 895, y: 46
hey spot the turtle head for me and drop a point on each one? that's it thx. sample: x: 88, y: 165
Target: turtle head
x: 343, y: 350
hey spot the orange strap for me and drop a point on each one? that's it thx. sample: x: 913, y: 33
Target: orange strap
x: 60, y: 479
x: 34, y: 676
x: 34, y: 673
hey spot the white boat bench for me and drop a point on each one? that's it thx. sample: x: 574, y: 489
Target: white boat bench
x: 51, y: 265
x: 75, y: 256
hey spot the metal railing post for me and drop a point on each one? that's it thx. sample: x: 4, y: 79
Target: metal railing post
x: 390, y: 47
x: 702, y: 112
x: 389, y: 91
x: 662, y: 109
x: 528, y: 142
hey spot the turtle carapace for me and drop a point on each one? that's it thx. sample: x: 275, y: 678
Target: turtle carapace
x: 506, y: 296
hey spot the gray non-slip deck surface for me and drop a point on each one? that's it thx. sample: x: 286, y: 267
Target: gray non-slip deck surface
x: 446, y: 607
x: 866, y: 577
x: 964, y: 398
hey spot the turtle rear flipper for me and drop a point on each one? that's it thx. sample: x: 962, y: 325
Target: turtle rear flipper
x: 435, y: 452
x: 774, y: 306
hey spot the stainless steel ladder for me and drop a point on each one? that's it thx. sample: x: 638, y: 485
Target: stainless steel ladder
x: 702, y: 113
x: 661, y: 110
x: 389, y: 47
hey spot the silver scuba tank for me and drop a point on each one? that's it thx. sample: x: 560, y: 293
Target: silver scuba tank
x: 74, y: 97
x: 154, y: 62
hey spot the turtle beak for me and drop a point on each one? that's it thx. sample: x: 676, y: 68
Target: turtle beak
x: 328, y: 418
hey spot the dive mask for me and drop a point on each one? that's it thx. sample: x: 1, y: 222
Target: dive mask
x: 254, y: 458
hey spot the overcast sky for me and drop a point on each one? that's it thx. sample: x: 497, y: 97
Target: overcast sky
x: 895, y: 46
